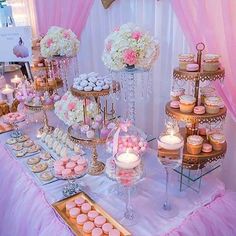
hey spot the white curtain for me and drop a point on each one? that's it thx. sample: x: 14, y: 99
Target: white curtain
x: 155, y: 16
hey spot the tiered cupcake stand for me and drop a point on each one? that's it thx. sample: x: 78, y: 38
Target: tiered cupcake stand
x: 96, y: 167
x: 194, y: 167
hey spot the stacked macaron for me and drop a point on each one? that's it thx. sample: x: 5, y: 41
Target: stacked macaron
x: 70, y: 167
x: 88, y: 219
x: 14, y: 117
x: 92, y: 82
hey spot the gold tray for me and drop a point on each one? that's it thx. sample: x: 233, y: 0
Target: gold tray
x: 202, y: 75
x: 61, y: 210
x: 77, y: 93
x: 193, y: 118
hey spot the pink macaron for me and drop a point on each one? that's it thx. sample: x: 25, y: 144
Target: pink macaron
x: 82, y: 162
x: 64, y: 160
x: 66, y: 173
x: 206, y: 147
x: 192, y: 67
x: 81, y: 219
x: 174, y: 104
x: 79, y: 170
x: 97, y: 232
x: 92, y: 215
x: 107, y: 227
x: 58, y: 170
x: 70, y: 165
x: 114, y: 232
x: 85, y: 208
x: 70, y: 205
x: 88, y: 227
x: 79, y: 201
x: 199, y: 110
x: 74, y: 212
x: 99, y: 221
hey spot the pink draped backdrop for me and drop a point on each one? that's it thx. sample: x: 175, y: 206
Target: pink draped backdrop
x: 71, y: 14
x: 213, y: 22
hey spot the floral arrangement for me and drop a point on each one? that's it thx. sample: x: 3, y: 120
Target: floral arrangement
x: 129, y: 45
x: 59, y: 42
x: 70, y: 109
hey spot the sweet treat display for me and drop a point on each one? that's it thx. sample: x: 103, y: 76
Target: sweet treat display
x: 192, y: 67
x: 13, y: 117
x: 194, y: 144
x: 185, y: 59
x: 92, y: 82
x: 69, y: 168
x: 212, y: 104
x: 211, y: 62
x: 176, y: 93
x: 217, y: 141
x: 174, y: 104
x: 187, y: 103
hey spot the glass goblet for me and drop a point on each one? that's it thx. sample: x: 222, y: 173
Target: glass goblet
x: 170, y: 155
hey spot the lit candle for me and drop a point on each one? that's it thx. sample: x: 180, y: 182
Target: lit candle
x: 170, y: 142
x: 8, y: 92
x: 127, y: 160
x: 16, y: 80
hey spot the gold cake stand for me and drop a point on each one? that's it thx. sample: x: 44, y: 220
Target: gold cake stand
x: 46, y: 127
x: 96, y: 167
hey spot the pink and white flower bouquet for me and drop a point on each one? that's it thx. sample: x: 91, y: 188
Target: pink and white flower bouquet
x: 70, y: 109
x: 129, y: 45
x: 59, y: 42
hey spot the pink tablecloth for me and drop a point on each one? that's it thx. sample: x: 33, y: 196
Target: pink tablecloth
x: 25, y: 211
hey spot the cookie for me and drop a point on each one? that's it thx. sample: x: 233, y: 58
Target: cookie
x: 21, y: 153
x: 33, y: 148
x: 45, y: 156
x: 28, y: 143
x: 46, y: 176
x: 11, y: 141
x: 17, y: 146
x: 37, y: 168
x: 23, y: 138
x: 33, y: 160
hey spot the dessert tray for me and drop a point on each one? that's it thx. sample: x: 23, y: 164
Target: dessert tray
x: 41, y: 167
x: 60, y: 208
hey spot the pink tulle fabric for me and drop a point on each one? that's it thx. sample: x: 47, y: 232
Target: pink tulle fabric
x: 69, y: 14
x: 24, y: 210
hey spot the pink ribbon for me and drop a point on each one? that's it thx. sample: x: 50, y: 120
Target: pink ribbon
x: 122, y: 125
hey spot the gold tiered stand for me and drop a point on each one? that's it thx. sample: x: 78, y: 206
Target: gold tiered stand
x: 199, y: 161
x: 96, y: 167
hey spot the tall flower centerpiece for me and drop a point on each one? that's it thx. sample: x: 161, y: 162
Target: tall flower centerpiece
x: 60, y: 47
x: 70, y: 109
x: 129, y: 46
x: 129, y: 54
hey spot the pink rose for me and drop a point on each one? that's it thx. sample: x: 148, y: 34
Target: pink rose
x: 117, y: 29
x: 49, y: 42
x: 108, y: 46
x: 66, y: 35
x: 71, y: 106
x: 136, y: 35
x: 130, y: 57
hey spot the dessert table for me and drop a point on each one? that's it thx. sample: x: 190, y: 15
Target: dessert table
x: 26, y: 206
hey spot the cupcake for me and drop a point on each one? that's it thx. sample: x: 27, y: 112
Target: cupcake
x: 206, y: 92
x: 217, y: 141
x: 211, y: 62
x: 212, y: 105
x: 194, y: 144
x: 176, y: 93
x: 185, y: 59
x: 187, y: 103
